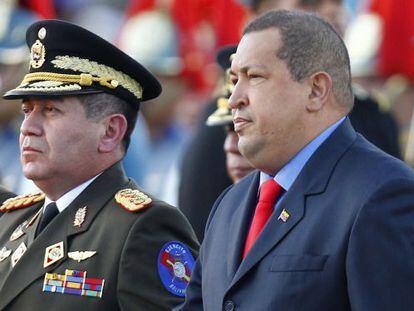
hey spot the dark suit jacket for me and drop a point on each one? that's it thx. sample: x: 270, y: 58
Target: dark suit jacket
x: 347, y: 245
x: 127, y: 246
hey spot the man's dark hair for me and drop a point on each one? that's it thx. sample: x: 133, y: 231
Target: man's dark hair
x: 98, y: 106
x: 255, y: 4
x: 310, y: 45
x: 316, y: 3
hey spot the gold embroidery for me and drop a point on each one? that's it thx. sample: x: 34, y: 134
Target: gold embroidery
x: 107, y: 76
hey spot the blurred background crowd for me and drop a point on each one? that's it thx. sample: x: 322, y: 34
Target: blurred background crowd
x: 178, y: 41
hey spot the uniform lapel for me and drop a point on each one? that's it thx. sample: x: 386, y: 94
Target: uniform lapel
x: 239, y: 224
x: 30, y: 267
x: 312, y: 180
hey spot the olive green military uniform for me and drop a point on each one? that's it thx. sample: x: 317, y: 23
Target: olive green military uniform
x: 120, y: 247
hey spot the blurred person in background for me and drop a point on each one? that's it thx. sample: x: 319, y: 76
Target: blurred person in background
x: 215, y: 173
x: 13, y: 63
x: 237, y: 165
x: 150, y: 37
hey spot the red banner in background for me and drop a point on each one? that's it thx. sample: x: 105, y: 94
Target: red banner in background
x: 396, y: 55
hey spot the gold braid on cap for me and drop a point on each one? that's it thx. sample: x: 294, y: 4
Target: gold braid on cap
x: 90, y: 72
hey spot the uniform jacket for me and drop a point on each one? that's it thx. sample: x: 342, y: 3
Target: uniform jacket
x: 347, y: 244
x: 127, y: 246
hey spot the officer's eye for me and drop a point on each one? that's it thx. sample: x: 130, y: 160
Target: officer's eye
x: 26, y: 109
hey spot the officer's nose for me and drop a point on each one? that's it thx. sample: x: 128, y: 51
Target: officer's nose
x: 31, y: 124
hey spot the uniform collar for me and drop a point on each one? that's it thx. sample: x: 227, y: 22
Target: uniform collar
x: 71, y: 195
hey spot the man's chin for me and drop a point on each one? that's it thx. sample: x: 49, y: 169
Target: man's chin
x: 32, y: 172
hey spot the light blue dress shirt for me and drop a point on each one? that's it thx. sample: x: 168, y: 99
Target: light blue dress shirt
x: 288, y: 173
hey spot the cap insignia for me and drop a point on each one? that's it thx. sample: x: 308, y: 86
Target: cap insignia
x: 21, y: 201
x: 42, y: 33
x: 132, y: 200
x: 37, y: 54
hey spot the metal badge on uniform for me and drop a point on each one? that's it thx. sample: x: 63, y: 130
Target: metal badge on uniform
x: 18, y: 232
x: 53, y: 254
x: 284, y: 216
x: 73, y: 282
x: 18, y: 253
x: 37, y: 54
x: 4, y: 253
x: 175, y: 264
x: 81, y: 255
x: 31, y: 221
x: 80, y: 217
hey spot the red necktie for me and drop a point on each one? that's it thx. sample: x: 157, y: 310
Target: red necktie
x: 269, y: 192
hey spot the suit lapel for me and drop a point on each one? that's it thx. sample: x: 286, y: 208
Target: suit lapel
x: 274, y: 231
x: 240, y: 223
x: 313, y: 179
x: 30, y: 266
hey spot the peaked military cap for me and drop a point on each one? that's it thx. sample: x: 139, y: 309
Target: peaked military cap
x: 222, y: 115
x: 67, y: 60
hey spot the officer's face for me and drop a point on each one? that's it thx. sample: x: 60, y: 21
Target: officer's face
x: 268, y: 105
x: 58, y: 143
x: 237, y: 165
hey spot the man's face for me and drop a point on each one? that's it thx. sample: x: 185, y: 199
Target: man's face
x: 237, y: 165
x: 57, y: 142
x: 268, y: 105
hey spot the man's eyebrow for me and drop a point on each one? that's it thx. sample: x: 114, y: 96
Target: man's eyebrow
x: 247, y: 68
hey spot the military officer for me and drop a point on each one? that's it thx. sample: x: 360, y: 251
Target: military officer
x: 92, y: 240
x: 237, y: 166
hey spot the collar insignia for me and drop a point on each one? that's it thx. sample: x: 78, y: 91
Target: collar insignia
x: 80, y: 217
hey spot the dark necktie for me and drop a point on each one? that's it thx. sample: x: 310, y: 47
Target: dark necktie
x: 49, y: 213
x: 269, y: 192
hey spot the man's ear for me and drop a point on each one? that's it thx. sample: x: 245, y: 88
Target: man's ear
x: 320, y: 89
x: 115, y: 127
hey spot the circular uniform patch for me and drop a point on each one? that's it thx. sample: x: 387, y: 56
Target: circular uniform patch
x: 175, y: 264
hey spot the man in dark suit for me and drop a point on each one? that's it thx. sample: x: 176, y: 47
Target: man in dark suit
x: 92, y: 240
x: 196, y: 191
x: 332, y: 226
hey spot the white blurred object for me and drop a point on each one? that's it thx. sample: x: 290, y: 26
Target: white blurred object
x: 151, y: 39
x: 363, y: 38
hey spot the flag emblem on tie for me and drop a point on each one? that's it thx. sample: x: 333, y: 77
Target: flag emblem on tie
x: 175, y: 264
x: 73, y: 282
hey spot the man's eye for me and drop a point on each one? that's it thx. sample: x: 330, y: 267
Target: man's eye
x: 25, y: 110
x: 50, y: 109
x: 233, y: 81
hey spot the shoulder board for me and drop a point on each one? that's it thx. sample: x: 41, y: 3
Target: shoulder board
x: 132, y: 200
x: 21, y: 201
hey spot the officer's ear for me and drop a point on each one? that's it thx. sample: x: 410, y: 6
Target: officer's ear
x: 115, y: 127
x: 320, y: 89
